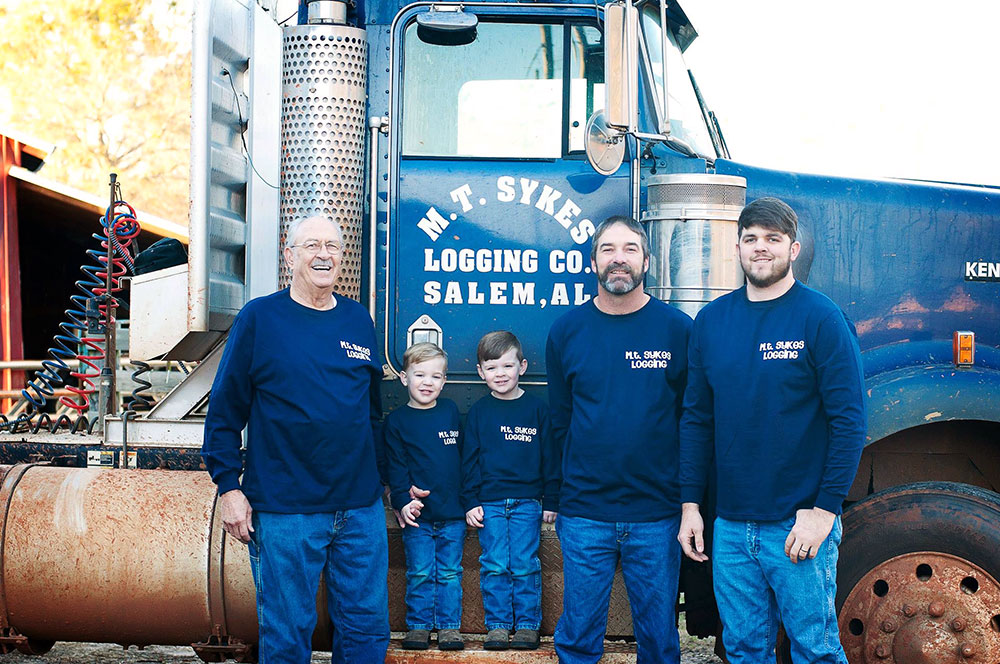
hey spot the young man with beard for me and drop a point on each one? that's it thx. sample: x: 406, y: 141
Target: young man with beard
x: 776, y: 392
x: 616, y: 370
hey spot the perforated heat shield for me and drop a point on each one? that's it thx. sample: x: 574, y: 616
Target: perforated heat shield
x: 322, y: 137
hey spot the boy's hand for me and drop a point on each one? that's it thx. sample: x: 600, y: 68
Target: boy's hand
x: 474, y: 517
x: 549, y: 517
x: 416, y: 492
x: 411, y: 512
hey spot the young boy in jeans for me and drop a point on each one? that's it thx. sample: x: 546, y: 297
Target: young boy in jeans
x: 423, y: 450
x: 511, y: 480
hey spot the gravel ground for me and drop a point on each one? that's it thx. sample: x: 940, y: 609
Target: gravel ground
x: 693, y: 651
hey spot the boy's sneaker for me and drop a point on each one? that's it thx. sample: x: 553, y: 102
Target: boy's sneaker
x: 497, y: 639
x: 525, y: 639
x: 417, y: 639
x: 450, y: 639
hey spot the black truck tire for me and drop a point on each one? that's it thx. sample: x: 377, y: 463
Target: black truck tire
x: 918, y: 578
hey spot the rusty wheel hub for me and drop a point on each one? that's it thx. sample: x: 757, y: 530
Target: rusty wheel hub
x: 923, y: 608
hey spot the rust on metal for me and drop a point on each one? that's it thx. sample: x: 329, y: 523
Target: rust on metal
x: 550, y: 554
x: 139, y: 557
x: 71, y: 450
x: 108, y: 555
x: 221, y: 648
x: 941, y: 608
x: 614, y: 653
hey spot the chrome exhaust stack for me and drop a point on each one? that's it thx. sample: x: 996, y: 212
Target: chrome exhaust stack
x: 691, y: 221
x: 324, y: 77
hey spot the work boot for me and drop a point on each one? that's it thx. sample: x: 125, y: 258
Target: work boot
x: 450, y: 639
x: 417, y: 639
x: 497, y: 639
x: 525, y: 639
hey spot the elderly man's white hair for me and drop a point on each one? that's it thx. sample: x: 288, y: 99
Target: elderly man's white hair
x: 293, y: 228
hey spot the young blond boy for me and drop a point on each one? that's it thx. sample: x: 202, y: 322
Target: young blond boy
x: 511, y: 480
x: 423, y: 449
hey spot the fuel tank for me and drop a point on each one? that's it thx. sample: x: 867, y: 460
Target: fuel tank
x: 139, y: 557
x: 134, y: 557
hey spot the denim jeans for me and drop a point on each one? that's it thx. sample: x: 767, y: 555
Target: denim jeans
x: 434, y: 574
x: 511, y: 574
x: 288, y: 552
x: 650, y: 557
x: 756, y: 586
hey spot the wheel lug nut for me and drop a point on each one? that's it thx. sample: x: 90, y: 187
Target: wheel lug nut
x: 888, y: 626
x: 908, y: 610
x: 936, y: 609
x: 881, y: 651
x: 958, y: 624
x: 968, y: 651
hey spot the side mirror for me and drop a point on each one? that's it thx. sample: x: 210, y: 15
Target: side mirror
x: 621, y: 65
x: 604, y: 146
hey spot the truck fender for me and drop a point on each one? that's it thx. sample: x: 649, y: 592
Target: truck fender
x: 911, y: 396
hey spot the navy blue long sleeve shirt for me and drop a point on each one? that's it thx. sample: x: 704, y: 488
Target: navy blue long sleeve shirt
x: 424, y: 449
x: 776, y: 393
x: 305, y: 385
x: 508, y: 452
x: 615, y: 389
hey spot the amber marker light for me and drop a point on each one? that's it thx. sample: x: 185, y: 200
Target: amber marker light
x: 963, y: 347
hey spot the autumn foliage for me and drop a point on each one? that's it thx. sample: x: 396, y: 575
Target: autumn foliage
x: 107, y: 81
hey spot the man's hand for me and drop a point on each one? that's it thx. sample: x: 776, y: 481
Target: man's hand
x: 549, y: 517
x: 692, y: 533
x: 236, y: 513
x: 474, y: 517
x: 395, y: 512
x: 411, y: 512
x: 810, y: 529
x: 417, y: 493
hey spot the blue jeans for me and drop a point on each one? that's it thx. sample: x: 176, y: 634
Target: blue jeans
x: 650, y: 557
x: 434, y: 574
x: 756, y: 586
x: 511, y: 574
x: 288, y: 552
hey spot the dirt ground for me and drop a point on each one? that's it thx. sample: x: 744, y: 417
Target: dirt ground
x: 693, y: 651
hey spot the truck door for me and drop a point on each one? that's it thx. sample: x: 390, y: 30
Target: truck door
x: 492, y: 201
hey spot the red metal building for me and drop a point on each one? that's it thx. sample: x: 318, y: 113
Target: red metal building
x: 45, y: 230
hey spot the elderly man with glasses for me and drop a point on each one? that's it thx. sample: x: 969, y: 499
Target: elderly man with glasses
x: 300, y: 372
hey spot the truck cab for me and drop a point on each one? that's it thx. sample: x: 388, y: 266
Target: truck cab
x: 469, y: 150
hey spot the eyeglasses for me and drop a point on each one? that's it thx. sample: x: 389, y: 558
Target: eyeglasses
x: 313, y: 247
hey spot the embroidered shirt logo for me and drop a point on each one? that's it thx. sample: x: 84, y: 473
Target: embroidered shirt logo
x: 520, y: 434
x: 648, y: 359
x: 449, y: 437
x: 356, y: 352
x: 781, y: 350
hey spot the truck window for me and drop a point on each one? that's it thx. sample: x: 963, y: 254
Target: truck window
x: 503, y: 94
x: 686, y: 121
x: 586, y: 85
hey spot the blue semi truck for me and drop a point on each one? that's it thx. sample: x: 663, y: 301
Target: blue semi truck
x: 470, y: 149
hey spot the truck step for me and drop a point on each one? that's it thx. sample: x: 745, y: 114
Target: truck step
x: 614, y: 653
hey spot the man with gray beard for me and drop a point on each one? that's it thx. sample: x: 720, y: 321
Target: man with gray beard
x: 617, y: 367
